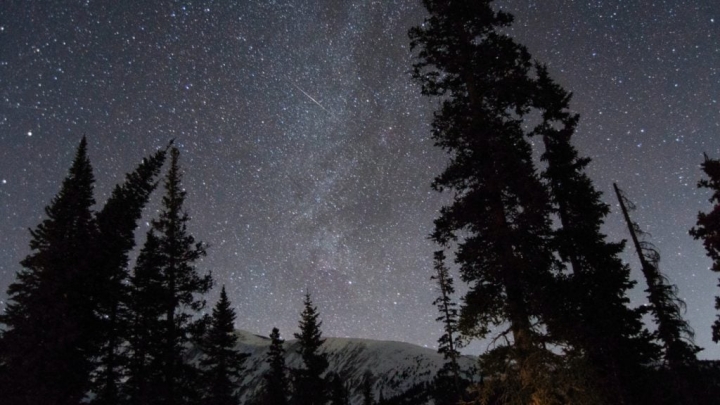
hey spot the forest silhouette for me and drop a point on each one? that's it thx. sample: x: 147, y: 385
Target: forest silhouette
x: 543, y: 281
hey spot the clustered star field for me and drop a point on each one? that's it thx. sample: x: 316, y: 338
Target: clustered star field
x: 306, y: 146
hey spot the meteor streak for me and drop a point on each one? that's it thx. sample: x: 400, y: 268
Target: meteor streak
x: 310, y: 97
x: 26, y: 107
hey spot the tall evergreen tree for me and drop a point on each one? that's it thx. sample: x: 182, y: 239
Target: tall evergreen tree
x: 708, y: 227
x: 309, y: 385
x: 594, y: 316
x: 171, y: 256
x: 185, y: 288
x: 449, y: 341
x: 500, y: 213
x: 48, y: 340
x: 146, y: 326
x: 222, y: 363
x: 339, y: 393
x: 367, y: 388
x: 117, y: 222
x: 276, y: 387
x: 673, y: 331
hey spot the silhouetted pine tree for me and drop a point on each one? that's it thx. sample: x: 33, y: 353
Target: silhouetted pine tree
x: 49, y: 336
x: 594, y: 316
x: 673, y: 331
x: 309, y: 385
x: 367, y: 388
x: 171, y: 256
x: 117, y: 222
x: 500, y: 214
x: 185, y: 288
x: 339, y: 394
x: 708, y: 226
x: 449, y: 375
x: 276, y: 386
x: 222, y: 364
x: 146, y: 327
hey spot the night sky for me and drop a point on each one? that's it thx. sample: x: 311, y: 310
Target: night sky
x: 306, y: 145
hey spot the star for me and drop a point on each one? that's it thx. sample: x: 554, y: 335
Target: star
x: 307, y: 150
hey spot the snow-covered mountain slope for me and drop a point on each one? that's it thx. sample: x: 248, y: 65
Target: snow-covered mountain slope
x: 395, y: 366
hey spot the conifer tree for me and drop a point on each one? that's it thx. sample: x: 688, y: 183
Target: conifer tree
x: 117, y: 222
x: 449, y: 341
x: 708, y: 227
x: 48, y: 338
x: 310, y: 388
x: 222, y: 363
x: 594, y: 317
x: 276, y: 383
x: 367, y: 388
x: 339, y: 394
x: 500, y: 214
x: 673, y: 331
x: 171, y: 254
x: 146, y: 326
x: 185, y: 288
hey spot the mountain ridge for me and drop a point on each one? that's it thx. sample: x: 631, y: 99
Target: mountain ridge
x: 396, y: 367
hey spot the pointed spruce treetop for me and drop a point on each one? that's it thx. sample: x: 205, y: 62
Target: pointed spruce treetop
x: 50, y: 321
x: 223, y: 316
x: 221, y: 338
x: 59, y: 242
x: 310, y: 336
x: 178, y: 245
x: 118, y: 219
x: 310, y: 387
x: 69, y: 213
x: 276, y: 382
x: 222, y: 363
x: 59, y: 239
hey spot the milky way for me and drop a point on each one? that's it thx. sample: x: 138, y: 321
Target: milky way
x: 306, y: 146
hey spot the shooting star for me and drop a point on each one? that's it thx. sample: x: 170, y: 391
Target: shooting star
x: 310, y: 97
x: 25, y: 107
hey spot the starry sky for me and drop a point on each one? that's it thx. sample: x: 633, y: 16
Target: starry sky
x: 306, y: 145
